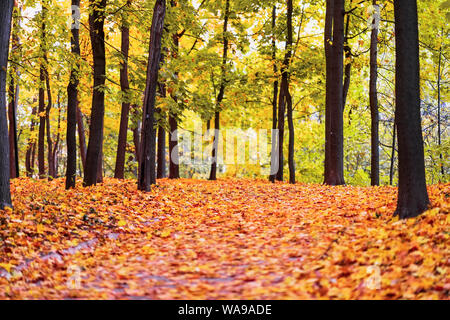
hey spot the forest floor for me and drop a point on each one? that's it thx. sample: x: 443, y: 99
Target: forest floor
x: 230, y: 239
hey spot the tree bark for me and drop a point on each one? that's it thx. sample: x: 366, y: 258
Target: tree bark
x: 375, y: 151
x: 334, y: 51
x: 391, y: 169
x: 274, y: 163
x: 442, y: 170
x: 72, y: 107
x: 174, y: 166
x: 50, y: 159
x: 14, y: 98
x: 97, y: 35
x: 29, y: 155
x: 42, y: 111
x: 412, y: 191
x: 81, y: 137
x: 288, y: 97
x: 147, y: 157
x: 124, y: 87
x: 213, y: 173
x: 6, y: 7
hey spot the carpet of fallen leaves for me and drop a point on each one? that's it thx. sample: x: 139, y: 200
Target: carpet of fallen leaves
x: 230, y: 239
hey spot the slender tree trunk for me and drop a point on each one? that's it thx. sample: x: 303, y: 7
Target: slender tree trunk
x: 42, y: 78
x: 51, y: 163
x: 442, y: 170
x: 147, y: 157
x: 375, y: 151
x: 72, y: 106
x: 81, y: 137
x: 57, y: 139
x: 288, y: 94
x: 348, y: 65
x: 412, y: 190
x: 213, y: 173
x: 97, y: 34
x: 274, y: 163
x: 124, y: 87
x: 391, y: 170
x: 14, y: 98
x: 215, y: 149
x: 161, y: 156
x: 174, y: 165
x: 29, y: 158
x: 334, y: 51
x: 6, y: 7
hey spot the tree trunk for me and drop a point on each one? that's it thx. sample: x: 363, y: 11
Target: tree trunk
x: 442, y: 170
x: 41, y: 111
x: 81, y: 137
x: 391, y: 170
x: 274, y: 163
x: 124, y: 87
x: 29, y: 157
x: 97, y: 35
x: 174, y: 165
x: 287, y: 96
x: 51, y: 163
x: 348, y: 65
x: 375, y: 151
x: 412, y: 191
x: 147, y: 157
x: 6, y: 7
x: 215, y: 149
x: 213, y: 173
x: 161, y: 172
x: 334, y: 51
x: 72, y: 106
x: 14, y: 98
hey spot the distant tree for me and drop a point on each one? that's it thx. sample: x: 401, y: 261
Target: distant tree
x: 6, y: 7
x: 412, y: 190
x: 221, y: 94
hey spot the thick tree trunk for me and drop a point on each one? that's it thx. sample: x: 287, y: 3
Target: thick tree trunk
x: 147, y: 157
x: 213, y: 173
x: 97, y: 34
x: 6, y: 7
x: 334, y: 51
x: 124, y: 87
x: 72, y: 106
x: 375, y: 151
x: 412, y: 191
x: 174, y: 165
x: 274, y: 163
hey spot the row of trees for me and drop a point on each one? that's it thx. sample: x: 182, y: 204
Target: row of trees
x: 165, y: 34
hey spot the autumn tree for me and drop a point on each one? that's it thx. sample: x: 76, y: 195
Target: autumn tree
x: 6, y: 8
x: 72, y: 101
x: 97, y: 35
x: 334, y: 123
x: 147, y: 156
x: 221, y: 94
x: 412, y: 190
x: 375, y: 151
x: 124, y: 87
